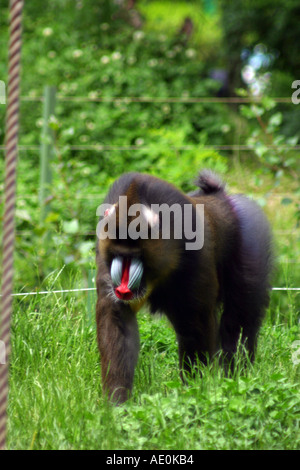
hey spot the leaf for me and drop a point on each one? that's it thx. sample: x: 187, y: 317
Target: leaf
x: 268, y: 103
x: 292, y: 141
x: 276, y: 119
x: 69, y: 259
x: 289, y: 162
x: 23, y: 214
x: 241, y: 92
x: 85, y: 247
x: 286, y: 201
x: 277, y: 377
x: 71, y: 227
x: 261, y: 149
x: 52, y: 217
x: 261, y: 201
x: 247, y: 112
x: 273, y: 159
x: 257, y: 110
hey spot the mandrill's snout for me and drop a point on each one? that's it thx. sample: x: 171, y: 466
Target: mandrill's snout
x: 126, y: 275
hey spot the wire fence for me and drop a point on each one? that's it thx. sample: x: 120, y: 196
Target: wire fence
x: 87, y: 289
x: 122, y: 148
x: 151, y: 99
x: 157, y: 100
x: 95, y: 98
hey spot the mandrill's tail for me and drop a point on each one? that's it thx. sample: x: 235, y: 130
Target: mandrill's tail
x: 209, y: 182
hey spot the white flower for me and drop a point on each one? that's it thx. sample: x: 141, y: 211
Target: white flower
x: 105, y: 59
x: 131, y: 60
x: 138, y: 35
x: 93, y: 95
x: 225, y: 128
x: 69, y: 131
x: 116, y: 55
x: 248, y: 74
x: 139, y: 141
x: 39, y: 122
x: 152, y: 62
x: 190, y: 53
x: 63, y: 87
x: 104, y: 26
x: 77, y: 53
x: 47, y: 31
x: 90, y: 125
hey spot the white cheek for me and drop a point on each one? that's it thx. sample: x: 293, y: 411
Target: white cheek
x: 116, y: 270
x: 135, y: 273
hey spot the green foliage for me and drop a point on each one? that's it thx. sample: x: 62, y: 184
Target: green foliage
x: 108, y: 59
x: 168, y: 16
x: 273, y: 24
x: 273, y: 149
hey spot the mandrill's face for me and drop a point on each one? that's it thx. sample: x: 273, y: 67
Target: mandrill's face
x: 127, y: 275
x: 135, y: 253
x: 126, y: 253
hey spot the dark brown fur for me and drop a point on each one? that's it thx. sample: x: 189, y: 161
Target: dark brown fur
x: 232, y: 269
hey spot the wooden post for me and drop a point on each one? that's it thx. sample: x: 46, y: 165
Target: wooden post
x: 91, y: 297
x: 46, y: 153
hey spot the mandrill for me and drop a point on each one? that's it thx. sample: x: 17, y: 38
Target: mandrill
x: 185, y: 256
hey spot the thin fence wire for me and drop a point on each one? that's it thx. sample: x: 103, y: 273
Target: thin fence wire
x: 86, y: 289
x: 157, y: 100
x: 126, y: 148
x: 151, y: 99
x: 95, y: 196
x: 26, y: 233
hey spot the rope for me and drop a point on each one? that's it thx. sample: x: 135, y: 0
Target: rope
x: 11, y: 139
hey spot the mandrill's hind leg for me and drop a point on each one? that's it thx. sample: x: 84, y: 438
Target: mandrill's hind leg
x: 246, y: 280
x: 197, y: 338
x: 239, y: 325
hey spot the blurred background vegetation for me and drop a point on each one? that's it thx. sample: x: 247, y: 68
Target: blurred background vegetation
x: 165, y: 87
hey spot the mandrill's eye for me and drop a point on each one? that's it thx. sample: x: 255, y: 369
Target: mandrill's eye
x: 126, y: 275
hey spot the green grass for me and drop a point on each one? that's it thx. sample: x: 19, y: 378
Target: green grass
x: 55, y: 399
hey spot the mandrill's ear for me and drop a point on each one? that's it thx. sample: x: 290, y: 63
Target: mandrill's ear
x: 152, y: 219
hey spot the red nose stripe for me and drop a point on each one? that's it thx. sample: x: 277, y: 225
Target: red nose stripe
x: 122, y: 291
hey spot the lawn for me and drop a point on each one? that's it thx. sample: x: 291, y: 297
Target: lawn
x: 55, y: 399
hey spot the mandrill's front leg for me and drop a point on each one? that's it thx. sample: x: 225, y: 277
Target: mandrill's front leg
x: 118, y: 341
